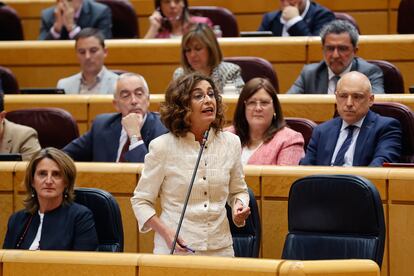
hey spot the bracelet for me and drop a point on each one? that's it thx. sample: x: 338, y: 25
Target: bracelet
x: 134, y: 139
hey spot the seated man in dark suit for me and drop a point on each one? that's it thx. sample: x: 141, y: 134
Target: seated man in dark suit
x: 358, y: 137
x: 123, y: 136
x: 339, y: 46
x: 296, y: 18
x: 68, y: 17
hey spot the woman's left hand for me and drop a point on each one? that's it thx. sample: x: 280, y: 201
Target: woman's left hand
x: 240, y: 213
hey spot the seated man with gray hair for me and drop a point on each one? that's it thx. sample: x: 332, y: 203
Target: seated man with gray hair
x: 122, y: 136
x: 339, y: 46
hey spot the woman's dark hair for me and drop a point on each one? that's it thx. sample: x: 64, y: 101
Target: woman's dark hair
x: 176, y: 110
x: 166, y: 24
x: 240, y: 122
x: 67, y: 168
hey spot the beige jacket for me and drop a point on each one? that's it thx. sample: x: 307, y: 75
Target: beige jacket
x: 19, y: 139
x: 167, y: 173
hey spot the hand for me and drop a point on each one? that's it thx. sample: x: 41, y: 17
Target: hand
x: 290, y: 12
x: 240, y: 212
x: 155, y: 20
x: 58, y: 13
x: 169, y: 236
x: 132, y: 124
x: 68, y: 15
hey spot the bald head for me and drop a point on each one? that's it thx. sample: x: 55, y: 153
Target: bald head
x: 353, y: 96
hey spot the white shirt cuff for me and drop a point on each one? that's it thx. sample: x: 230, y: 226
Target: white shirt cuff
x: 293, y: 21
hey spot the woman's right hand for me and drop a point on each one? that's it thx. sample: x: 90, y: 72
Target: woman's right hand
x: 155, y: 20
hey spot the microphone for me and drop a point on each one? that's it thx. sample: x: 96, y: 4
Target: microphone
x: 203, y: 143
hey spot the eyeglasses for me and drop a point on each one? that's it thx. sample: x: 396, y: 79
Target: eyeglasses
x: 342, y: 49
x: 251, y: 104
x: 200, y: 97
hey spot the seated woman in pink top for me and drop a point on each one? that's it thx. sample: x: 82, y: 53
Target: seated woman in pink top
x: 171, y: 18
x: 258, y: 121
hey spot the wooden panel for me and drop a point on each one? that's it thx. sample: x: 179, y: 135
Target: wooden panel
x: 401, y: 241
x: 339, y: 5
x: 400, y: 184
x: 68, y: 263
x: 6, y: 207
x: 274, y: 227
x: 372, y: 22
x: 6, y: 176
x: 287, y: 73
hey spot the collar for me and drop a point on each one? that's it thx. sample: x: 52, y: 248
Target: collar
x: 98, y: 79
x: 357, y: 124
x: 303, y: 14
x: 332, y: 74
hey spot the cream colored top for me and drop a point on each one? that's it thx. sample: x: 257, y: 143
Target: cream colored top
x: 168, y: 169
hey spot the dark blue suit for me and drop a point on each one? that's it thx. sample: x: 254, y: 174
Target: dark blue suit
x: 101, y: 143
x: 379, y: 141
x: 93, y: 14
x: 316, y: 17
x: 68, y: 227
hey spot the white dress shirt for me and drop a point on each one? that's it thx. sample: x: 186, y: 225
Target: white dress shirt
x: 168, y: 170
x: 331, y: 75
x: 123, y: 139
x: 294, y: 20
x: 349, y: 155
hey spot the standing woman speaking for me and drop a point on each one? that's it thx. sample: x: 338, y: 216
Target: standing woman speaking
x: 192, y: 107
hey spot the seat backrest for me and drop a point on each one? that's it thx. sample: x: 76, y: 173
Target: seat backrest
x: 219, y: 16
x: 347, y: 17
x: 405, y: 116
x: 393, y: 79
x: 246, y: 239
x: 254, y: 67
x: 124, y: 18
x: 302, y: 125
x: 10, y: 24
x: 55, y: 127
x: 334, y: 217
x: 405, y: 21
x: 107, y: 216
x: 8, y: 81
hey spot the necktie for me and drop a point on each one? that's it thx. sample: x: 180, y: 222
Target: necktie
x: 125, y: 149
x: 339, y: 160
x: 335, y: 80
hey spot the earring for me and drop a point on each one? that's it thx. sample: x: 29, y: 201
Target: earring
x: 274, y: 116
x: 33, y: 194
x: 65, y: 193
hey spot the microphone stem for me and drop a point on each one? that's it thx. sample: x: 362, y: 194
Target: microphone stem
x: 189, y: 191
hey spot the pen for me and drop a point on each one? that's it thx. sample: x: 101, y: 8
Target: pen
x: 187, y: 248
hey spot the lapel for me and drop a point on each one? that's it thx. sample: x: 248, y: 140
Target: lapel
x: 322, y: 79
x: 6, y: 143
x: 355, y: 65
x: 146, y: 129
x: 309, y: 14
x: 111, y: 137
x: 331, y: 134
x: 277, y: 27
x: 362, y: 137
x: 84, y: 16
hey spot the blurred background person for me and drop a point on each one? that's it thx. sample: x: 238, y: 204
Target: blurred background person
x: 171, y: 18
x: 69, y: 17
x: 258, y: 121
x: 296, y: 18
x: 93, y: 78
x: 200, y: 52
x: 51, y: 220
x: 15, y: 138
x: 192, y: 107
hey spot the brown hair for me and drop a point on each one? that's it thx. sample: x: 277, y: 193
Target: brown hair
x: 67, y: 168
x: 205, y: 35
x: 240, y: 122
x: 175, y: 111
x: 166, y: 24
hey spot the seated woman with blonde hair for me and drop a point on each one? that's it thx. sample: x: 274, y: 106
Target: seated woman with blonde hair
x: 51, y: 220
x: 258, y: 121
x: 200, y: 52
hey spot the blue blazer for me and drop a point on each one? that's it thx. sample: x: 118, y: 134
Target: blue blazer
x: 93, y: 14
x: 379, y: 141
x: 316, y: 17
x: 101, y: 143
x: 68, y: 227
